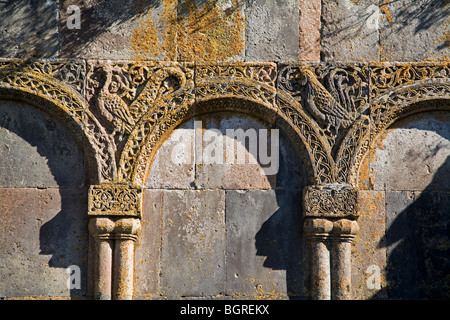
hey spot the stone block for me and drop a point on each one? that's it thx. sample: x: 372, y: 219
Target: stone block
x: 105, y: 29
x: 272, y: 30
x: 414, y: 30
x: 414, y: 154
x: 188, y: 159
x: 193, y: 243
x: 350, y: 31
x: 147, y: 253
x: 309, y: 29
x: 244, y: 170
x: 417, y: 242
x: 264, y: 244
x: 368, y: 253
x: 173, y: 166
x: 29, y: 29
x: 36, y: 151
x: 43, y: 232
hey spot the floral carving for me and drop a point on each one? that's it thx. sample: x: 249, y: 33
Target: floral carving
x: 330, y: 201
x: 114, y: 200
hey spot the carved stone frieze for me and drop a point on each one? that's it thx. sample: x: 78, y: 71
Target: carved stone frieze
x: 114, y: 200
x: 262, y: 72
x: 385, y: 77
x: 124, y: 110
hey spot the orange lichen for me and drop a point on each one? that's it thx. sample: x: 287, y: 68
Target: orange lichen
x: 384, y: 7
x: 187, y: 31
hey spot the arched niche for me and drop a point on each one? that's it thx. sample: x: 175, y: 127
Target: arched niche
x: 216, y: 229
x: 43, y: 207
x: 404, y: 201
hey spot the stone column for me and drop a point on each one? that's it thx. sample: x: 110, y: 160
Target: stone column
x: 330, y: 226
x: 126, y: 233
x: 317, y: 232
x: 344, y: 231
x: 101, y: 230
x: 115, y: 212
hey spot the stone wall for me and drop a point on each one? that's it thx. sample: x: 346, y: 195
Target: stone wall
x: 103, y: 107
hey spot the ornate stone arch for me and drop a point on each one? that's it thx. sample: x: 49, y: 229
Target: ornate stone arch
x: 33, y: 83
x: 381, y: 113
x: 260, y: 99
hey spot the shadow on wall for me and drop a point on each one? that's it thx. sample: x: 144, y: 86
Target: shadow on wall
x: 417, y: 240
x: 53, y: 173
x: 98, y: 18
x: 418, y: 244
x: 280, y: 240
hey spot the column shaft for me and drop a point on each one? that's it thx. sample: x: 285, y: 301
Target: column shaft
x: 320, y: 270
x: 123, y: 269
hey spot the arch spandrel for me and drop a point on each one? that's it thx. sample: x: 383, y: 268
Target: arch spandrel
x: 30, y: 83
x: 260, y: 100
x: 406, y: 100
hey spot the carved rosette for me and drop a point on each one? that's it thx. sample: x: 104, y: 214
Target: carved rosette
x: 115, y: 200
x: 330, y: 201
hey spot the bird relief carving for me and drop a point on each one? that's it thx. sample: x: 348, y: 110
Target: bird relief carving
x: 323, y: 105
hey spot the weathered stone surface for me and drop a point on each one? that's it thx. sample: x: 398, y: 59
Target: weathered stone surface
x: 309, y: 29
x: 42, y: 233
x: 272, y: 30
x: 247, y: 174
x: 417, y: 242
x: 414, y: 30
x: 350, y: 31
x: 412, y: 165
x: 187, y: 161
x: 105, y: 29
x: 193, y: 243
x: 29, y: 29
x: 36, y: 151
x: 368, y: 253
x: 264, y: 245
x: 174, y: 164
x: 414, y: 154
x: 147, y: 254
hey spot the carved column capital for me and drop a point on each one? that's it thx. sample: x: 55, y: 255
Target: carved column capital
x: 317, y: 229
x: 344, y: 230
x: 330, y: 201
x: 115, y: 200
x: 105, y: 228
x: 127, y: 229
x: 101, y: 227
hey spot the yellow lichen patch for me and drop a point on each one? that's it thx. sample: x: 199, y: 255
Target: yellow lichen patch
x: 384, y: 8
x: 189, y: 31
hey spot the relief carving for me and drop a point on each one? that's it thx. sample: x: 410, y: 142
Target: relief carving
x: 114, y: 200
x: 330, y: 201
x: 335, y: 101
